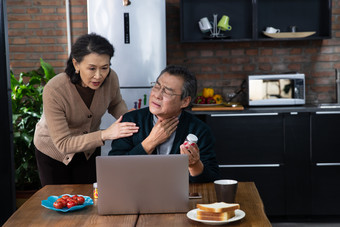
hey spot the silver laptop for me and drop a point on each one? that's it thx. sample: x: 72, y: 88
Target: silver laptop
x: 135, y: 184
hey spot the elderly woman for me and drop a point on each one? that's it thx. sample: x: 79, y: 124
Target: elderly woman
x: 67, y: 137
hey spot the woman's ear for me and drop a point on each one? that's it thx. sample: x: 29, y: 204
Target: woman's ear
x: 75, y: 64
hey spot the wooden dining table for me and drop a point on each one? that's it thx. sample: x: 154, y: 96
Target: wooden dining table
x: 32, y: 213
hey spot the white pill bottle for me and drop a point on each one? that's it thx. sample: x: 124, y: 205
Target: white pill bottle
x: 190, y: 140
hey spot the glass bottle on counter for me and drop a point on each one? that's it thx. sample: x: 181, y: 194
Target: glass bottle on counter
x: 95, y: 191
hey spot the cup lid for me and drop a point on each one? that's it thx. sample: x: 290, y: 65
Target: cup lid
x: 225, y: 181
x: 192, y: 138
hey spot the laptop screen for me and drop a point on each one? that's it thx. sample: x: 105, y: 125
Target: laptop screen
x: 142, y: 184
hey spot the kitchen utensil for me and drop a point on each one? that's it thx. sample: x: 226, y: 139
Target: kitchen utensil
x: 223, y: 24
x: 272, y: 30
x: 204, y: 25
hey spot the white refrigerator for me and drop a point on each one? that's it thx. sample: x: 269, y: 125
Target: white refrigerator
x: 137, y: 30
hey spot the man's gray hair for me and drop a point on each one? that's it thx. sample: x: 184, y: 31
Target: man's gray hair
x: 190, y: 83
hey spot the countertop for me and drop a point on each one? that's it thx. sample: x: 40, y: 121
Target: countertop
x: 332, y: 107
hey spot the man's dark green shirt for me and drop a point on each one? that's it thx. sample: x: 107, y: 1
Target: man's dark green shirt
x: 188, y: 123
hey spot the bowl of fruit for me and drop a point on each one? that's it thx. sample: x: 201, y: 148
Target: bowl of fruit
x: 208, y: 98
x: 66, y: 202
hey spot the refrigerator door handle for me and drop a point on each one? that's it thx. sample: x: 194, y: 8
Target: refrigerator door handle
x: 126, y: 28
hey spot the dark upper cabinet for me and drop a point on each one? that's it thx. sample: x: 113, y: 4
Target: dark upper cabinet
x: 249, y: 18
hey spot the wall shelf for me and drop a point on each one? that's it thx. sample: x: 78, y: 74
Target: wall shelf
x: 249, y: 18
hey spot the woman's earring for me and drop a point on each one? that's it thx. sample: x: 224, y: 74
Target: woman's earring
x: 77, y: 72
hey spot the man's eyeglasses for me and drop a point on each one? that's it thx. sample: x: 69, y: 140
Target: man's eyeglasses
x: 166, y: 92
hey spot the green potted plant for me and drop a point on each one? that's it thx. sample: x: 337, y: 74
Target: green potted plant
x: 26, y: 111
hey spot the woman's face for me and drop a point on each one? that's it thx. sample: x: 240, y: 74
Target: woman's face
x: 93, y: 69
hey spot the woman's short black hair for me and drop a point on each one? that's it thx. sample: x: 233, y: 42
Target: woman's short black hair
x: 87, y: 44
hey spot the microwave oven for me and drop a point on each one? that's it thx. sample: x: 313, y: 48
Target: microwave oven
x: 276, y: 90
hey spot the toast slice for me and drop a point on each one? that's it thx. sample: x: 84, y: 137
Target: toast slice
x: 212, y: 216
x: 218, y: 207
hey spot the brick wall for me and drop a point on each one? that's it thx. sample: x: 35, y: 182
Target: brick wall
x: 37, y: 29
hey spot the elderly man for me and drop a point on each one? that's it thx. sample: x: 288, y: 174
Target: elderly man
x: 164, y: 125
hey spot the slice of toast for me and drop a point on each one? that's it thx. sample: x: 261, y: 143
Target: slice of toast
x: 212, y: 216
x: 218, y: 207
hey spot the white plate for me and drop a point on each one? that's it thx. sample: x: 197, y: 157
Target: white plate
x: 239, y: 214
x: 282, y: 35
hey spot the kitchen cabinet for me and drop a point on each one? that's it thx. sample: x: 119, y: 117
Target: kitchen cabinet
x: 292, y: 156
x: 250, y: 147
x: 297, y: 163
x: 325, y: 162
x: 249, y: 18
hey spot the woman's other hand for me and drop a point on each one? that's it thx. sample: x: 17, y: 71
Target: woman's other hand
x: 119, y: 130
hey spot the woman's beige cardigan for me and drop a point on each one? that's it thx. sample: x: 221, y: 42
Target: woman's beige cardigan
x: 67, y: 126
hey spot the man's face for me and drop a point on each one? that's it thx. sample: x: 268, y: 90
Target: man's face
x: 165, y: 98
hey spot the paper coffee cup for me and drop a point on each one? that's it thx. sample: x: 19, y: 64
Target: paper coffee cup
x: 225, y: 190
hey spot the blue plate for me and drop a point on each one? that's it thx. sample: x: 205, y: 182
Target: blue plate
x: 50, y: 200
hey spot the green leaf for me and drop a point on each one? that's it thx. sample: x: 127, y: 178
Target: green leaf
x: 48, y: 70
x: 14, y: 81
x: 27, y: 107
x: 35, y: 80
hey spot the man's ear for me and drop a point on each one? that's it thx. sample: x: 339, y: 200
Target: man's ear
x: 185, y: 102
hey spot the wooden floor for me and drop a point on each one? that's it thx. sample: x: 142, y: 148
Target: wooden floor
x: 321, y: 221
x: 305, y: 224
